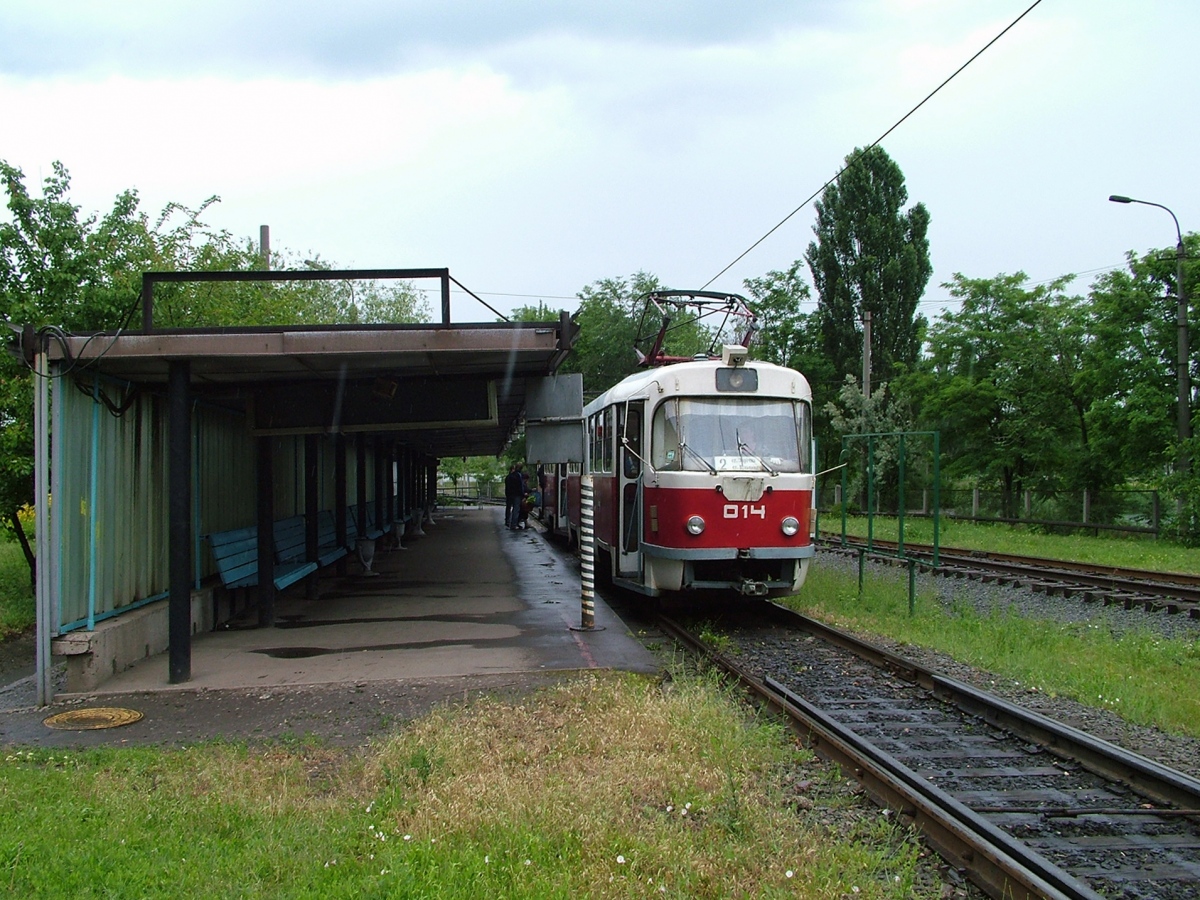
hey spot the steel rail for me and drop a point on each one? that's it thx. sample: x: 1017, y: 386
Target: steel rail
x: 1153, y: 585
x: 1182, y: 579
x: 1148, y: 778
x: 1000, y: 865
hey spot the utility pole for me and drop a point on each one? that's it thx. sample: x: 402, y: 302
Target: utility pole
x: 866, y: 381
x: 1184, y: 400
x: 264, y: 245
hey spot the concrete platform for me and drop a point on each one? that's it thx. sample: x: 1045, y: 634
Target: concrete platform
x: 470, y: 598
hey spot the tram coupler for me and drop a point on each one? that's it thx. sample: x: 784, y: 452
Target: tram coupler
x: 750, y: 588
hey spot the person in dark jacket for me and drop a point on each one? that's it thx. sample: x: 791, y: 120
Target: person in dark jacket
x: 514, y: 493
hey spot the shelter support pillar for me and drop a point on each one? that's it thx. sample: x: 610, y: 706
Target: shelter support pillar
x: 312, y: 455
x: 430, y: 489
x: 266, y: 533
x: 381, y: 513
x: 405, y: 482
x: 179, y: 438
x: 47, y: 621
x: 360, y: 484
x: 339, y: 498
x: 390, y: 481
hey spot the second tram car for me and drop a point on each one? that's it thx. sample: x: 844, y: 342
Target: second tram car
x: 702, y: 478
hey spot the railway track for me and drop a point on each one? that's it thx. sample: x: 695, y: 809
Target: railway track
x: 1023, y: 806
x: 1169, y: 592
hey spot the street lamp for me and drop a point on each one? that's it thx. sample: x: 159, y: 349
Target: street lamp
x: 1185, y: 391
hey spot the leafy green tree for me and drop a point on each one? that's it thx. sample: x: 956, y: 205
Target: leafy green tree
x: 455, y: 468
x: 344, y: 302
x: 603, y: 352
x: 489, y: 472
x: 539, y: 313
x: 789, y: 337
x: 62, y: 270
x: 610, y: 310
x: 1132, y: 372
x: 1010, y: 391
x: 775, y: 299
x: 57, y: 269
x: 870, y: 254
x: 851, y: 412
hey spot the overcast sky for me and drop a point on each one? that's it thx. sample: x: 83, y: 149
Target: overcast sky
x: 533, y: 147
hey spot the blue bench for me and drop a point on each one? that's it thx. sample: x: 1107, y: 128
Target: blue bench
x: 236, y: 555
x: 372, y: 532
x: 374, y: 526
x: 328, y: 549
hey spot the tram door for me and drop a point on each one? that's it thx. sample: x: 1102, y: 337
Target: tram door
x: 629, y: 446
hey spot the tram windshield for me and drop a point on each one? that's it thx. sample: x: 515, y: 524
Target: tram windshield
x: 731, y: 434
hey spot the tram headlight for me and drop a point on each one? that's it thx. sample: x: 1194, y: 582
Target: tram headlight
x: 790, y: 525
x: 695, y: 525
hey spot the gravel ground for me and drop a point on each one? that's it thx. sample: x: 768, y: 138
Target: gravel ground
x: 1182, y: 753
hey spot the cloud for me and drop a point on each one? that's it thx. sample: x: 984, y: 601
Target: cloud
x: 220, y: 134
x: 354, y: 38
x: 537, y: 146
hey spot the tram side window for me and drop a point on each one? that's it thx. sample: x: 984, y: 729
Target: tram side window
x: 600, y: 438
x: 633, y: 435
x: 804, y: 435
x: 592, y: 457
x: 607, y: 443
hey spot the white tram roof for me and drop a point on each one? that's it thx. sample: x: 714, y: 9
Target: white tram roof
x: 698, y: 378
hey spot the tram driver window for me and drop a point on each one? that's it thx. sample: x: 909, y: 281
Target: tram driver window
x: 664, y: 437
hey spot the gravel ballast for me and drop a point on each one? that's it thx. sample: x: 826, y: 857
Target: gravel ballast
x: 1176, y: 751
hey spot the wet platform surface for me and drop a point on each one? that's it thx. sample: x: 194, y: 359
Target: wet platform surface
x: 470, y: 608
x: 468, y: 598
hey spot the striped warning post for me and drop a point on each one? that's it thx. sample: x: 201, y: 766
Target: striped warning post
x: 587, y: 547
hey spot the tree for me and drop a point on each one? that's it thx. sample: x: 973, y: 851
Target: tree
x: 1010, y: 391
x: 775, y: 299
x: 610, y: 311
x: 82, y: 274
x: 1131, y: 371
x: 870, y: 255
x: 343, y: 302
x: 540, y: 313
x: 788, y: 337
x: 57, y: 269
x: 851, y: 412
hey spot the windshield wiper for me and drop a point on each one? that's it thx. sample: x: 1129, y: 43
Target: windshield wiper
x: 704, y: 462
x: 746, y: 451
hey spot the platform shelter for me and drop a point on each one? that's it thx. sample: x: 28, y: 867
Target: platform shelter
x: 157, y: 448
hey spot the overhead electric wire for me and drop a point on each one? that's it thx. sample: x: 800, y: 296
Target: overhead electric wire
x: 874, y: 143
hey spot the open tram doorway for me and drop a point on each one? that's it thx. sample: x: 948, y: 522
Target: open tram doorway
x: 629, y: 446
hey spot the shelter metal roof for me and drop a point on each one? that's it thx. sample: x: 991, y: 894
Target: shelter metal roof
x: 451, y: 390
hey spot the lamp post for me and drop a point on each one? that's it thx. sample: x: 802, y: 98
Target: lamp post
x: 1185, y: 391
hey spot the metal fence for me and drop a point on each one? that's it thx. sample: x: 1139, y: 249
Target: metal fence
x: 1128, y: 511
x: 468, y: 490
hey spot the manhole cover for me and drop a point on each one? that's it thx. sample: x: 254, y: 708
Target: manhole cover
x: 92, y: 719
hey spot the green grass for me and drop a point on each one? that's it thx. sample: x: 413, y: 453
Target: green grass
x: 1134, y: 552
x: 1146, y: 679
x: 17, y: 611
x: 607, y: 786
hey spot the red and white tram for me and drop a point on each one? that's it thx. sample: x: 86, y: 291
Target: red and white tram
x: 702, y: 478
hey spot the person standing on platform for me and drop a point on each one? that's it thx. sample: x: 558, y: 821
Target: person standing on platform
x: 514, y: 493
x: 508, y: 501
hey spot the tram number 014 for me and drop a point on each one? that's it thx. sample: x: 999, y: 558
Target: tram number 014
x: 744, y: 511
